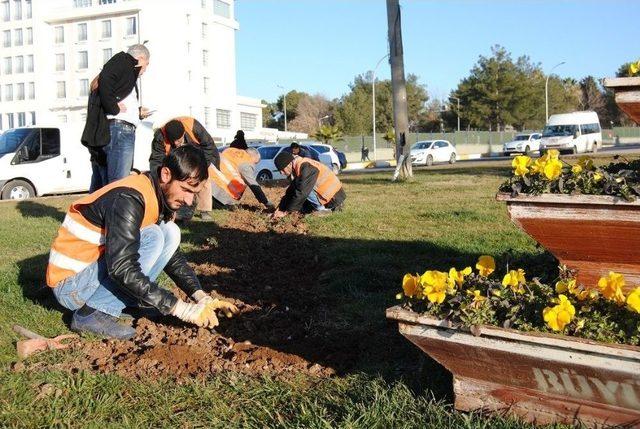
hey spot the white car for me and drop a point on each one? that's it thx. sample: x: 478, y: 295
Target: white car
x: 429, y: 151
x: 266, y: 168
x: 523, y: 143
x: 327, y: 153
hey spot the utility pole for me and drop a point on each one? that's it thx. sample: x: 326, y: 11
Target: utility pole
x: 398, y: 83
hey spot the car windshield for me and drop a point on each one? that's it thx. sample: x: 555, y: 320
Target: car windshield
x: 421, y: 145
x: 522, y: 137
x: 559, y: 130
x: 268, y: 152
x: 10, y: 140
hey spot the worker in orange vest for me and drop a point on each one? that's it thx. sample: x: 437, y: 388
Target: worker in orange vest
x: 314, y: 187
x: 113, y: 244
x: 237, y: 172
x: 175, y: 133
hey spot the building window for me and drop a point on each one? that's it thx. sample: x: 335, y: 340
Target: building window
x: 107, y: 1
x: 207, y: 116
x: 106, y: 29
x: 19, y: 64
x: 28, y: 11
x: 6, y: 38
x: 29, y: 36
x: 20, y: 91
x: 205, y: 57
x: 81, y: 3
x: 29, y: 63
x: 205, y: 85
x: 17, y: 9
x: 82, y: 32
x: 221, y: 8
x: 223, y: 118
x: 59, y: 62
x: 62, y: 89
x: 6, y: 16
x: 10, y: 120
x: 84, y: 87
x: 106, y: 55
x: 32, y: 91
x: 33, y: 118
x: 204, y: 30
x: 248, y: 121
x: 8, y: 92
x: 59, y: 34
x: 132, y: 26
x: 18, y: 37
x: 83, y: 60
x: 62, y: 118
x: 22, y: 119
x: 8, y: 65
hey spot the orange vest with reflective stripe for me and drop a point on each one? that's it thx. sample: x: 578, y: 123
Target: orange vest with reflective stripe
x: 80, y: 243
x: 187, y: 123
x: 327, y: 184
x: 228, y: 176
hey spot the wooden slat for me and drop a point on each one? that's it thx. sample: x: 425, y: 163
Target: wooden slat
x: 621, y: 82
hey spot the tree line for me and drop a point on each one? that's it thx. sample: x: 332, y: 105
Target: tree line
x: 498, y: 92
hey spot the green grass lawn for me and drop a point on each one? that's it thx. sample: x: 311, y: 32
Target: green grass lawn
x: 441, y: 218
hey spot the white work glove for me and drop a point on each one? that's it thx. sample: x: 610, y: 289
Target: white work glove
x: 227, y: 308
x: 202, y: 314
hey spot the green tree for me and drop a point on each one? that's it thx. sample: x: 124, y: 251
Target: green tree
x: 328, y: 133
x: 293, y: 99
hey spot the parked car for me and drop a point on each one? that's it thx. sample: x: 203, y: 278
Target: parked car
x: 266, y: 169
x: 575, y: 132
x: 429, y: 151
x: 523, y: 143
x: 43, y: 160
x: 328, y: 155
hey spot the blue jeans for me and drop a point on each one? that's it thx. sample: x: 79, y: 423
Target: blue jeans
x: 119, y: 154
x: 93, y: 286
x: 314, y: 200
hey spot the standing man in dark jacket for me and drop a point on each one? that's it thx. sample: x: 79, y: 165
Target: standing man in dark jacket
x: 114, y: 243
x: 181, y: 131
x: 113, y: 114
x: 314, y: 187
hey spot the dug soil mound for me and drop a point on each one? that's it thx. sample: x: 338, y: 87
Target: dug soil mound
x: 270, y: 270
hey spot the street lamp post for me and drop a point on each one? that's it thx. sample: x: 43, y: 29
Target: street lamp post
x: 458, y: 111
x: 284, y: 102
x: 373, y: 102
x: 546, y: 91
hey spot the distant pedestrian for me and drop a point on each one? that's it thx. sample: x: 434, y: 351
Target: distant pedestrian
x: 364, y: 154
x: 113, y: 114
x: 239, y: 141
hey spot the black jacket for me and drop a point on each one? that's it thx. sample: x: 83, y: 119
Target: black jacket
x: 207, y: 145
x: 116, y: 80
x: 120, y: 211
x: 300, y: 188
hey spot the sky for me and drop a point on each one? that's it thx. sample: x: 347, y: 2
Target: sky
x: 319, y: 46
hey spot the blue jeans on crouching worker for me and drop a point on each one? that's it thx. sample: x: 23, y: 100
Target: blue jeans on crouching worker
x: 93, y: 286
x: 314, y: 200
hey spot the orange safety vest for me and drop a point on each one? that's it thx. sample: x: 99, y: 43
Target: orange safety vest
x: 228, y: 176
x: 187, y: 123
x: 80, y: 243
x: 327, y: 184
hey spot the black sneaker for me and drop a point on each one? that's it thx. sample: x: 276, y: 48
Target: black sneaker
x: 101, y: 324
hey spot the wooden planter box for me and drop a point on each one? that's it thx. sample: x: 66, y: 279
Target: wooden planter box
x: 542, y: 378
x: 593, y: 234
x: 627, y: 95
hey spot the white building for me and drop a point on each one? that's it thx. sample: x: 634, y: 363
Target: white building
x: 52, y: 49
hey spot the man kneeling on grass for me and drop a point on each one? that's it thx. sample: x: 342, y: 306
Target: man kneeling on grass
x: 114, y: 243
x: 314, y: 188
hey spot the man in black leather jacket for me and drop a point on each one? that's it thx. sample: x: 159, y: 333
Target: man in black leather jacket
x: 127, y: 226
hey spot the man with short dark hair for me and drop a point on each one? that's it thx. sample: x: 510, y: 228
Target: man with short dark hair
x: 185, y: 130
x: 114, y: 243
x: 314, y: 187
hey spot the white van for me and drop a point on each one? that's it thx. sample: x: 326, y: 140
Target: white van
x: 41, y: 160
x: 575, y: 132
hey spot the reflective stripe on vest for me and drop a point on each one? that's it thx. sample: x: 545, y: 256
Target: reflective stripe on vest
x: 228, y: 177
x: 327, y: 184
x: 79, y: 243
x: 187, y: 123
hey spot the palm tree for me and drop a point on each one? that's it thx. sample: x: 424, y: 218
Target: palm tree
x: 328, y: 133
x: 390, y: 138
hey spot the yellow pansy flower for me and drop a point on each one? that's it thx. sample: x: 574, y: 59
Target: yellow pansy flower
x: 597, y: 177
x: 521, y: 163
x: 457, y: 277
x: 553, y: 154
x: 633, y: 300
x: 514, y: 279
x: 477, y: 295
x: 558, y: 316
x: 634, y: 68
x: 585, y: 162
x: 486, y: 265
x: 611, y: 287
x: 580, y: 292
x: 553, y: 169
x: 434, y: 284
x: 539, y: 164
x: 576, y: 169
x: 411, y: 285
